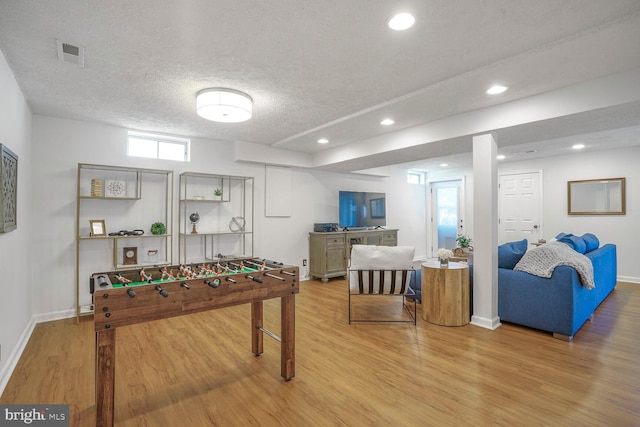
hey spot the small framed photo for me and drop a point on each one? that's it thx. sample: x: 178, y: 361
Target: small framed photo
x: 97, y: 228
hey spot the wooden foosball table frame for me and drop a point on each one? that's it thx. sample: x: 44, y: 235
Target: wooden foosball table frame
x: 117, y: 306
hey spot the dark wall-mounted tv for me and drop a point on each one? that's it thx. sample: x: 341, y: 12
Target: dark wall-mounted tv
x: 362, y: 209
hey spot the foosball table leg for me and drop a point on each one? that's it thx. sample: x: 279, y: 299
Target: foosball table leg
x: 288, y: 344
x: 256, y: 328
x: 105, y: 377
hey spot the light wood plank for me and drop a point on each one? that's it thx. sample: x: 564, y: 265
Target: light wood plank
x: 199, y: 369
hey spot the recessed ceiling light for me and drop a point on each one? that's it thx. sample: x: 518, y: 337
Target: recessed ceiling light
x: 387, y: 122
x: 496, y: 89
x: 578, y: 146
x: 444, y: 165
x: 323, y: 141
x: 401, y: 21
x: 501, y: 157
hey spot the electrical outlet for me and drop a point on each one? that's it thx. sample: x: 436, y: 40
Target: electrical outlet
x: 304, y: 262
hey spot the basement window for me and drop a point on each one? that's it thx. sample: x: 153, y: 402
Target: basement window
x: 416, y: 177
x: 158, y: 147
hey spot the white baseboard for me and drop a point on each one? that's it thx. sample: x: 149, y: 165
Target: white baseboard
x: 14, y: 357
x: 56, y: 315
x: 628, y: 279
x: 486, y: 323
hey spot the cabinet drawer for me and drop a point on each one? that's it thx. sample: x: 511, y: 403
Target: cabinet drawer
x: 389, y: 239
x: 335, y: 241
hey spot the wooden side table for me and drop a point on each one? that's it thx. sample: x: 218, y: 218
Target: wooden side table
x: 445, y: 293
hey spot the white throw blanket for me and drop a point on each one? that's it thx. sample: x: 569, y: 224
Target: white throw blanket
x: 541, y: 261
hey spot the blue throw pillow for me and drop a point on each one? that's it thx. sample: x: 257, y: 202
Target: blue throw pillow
x: 591, y: 241
x: 575, y: 242
x: 510, y: 253
x: 561, y: 235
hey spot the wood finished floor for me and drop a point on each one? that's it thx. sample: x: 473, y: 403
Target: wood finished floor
x: 198, y: 370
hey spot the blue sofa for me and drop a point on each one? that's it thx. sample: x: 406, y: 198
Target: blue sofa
x: 560, y: 304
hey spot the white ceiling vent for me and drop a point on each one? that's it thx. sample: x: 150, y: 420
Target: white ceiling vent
x: 70, y: 53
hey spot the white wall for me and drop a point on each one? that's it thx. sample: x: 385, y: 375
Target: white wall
x: 59, y: 145
x: 16, y: 254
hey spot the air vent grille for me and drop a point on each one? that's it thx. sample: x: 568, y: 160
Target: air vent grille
x: 70, y: 53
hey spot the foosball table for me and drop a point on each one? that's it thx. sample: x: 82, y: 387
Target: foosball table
x: 128, y: 297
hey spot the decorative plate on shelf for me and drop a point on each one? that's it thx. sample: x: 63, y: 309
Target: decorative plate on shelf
x: 115, y: 188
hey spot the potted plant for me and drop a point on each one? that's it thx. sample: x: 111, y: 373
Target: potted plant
x: 217, y: 193
x: 464, y: 242
x: 158, y: 228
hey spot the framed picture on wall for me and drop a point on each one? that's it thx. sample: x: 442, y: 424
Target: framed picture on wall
x: 8, y: 190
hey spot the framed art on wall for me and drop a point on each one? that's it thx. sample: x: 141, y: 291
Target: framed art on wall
x: 8, y: 190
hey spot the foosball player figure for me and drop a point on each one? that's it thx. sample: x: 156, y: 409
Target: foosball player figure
x: 144, y: 277
x: 185, y: 271
x: 204, y: 270
x: 122, y: 279
x: 167, y: 274
x: 182, y: 271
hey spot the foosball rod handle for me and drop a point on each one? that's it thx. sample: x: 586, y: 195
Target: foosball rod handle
x: 162, y: 291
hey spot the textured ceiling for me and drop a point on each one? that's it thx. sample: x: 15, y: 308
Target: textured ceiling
x: 326, y: 68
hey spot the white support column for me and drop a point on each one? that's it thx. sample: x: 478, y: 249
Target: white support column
x: 485, y: 230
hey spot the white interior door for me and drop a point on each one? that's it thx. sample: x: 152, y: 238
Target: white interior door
x: 520, y: 207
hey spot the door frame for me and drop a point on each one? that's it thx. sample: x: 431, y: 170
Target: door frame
x: 431, y: 250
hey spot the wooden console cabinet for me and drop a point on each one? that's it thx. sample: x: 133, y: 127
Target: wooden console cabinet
x: 329, y: 252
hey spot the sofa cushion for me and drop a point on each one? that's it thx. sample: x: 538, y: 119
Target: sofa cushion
x: 591, y: 241
x: 561, y: 235
x: 576, y: 243
x: 510, y: 253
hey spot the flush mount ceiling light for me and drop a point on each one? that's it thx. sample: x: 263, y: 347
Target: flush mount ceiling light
x: 501, y: 157
x: 401, y: 21
x: 224, y: 105
x: 323, y: 141
x: 496, y: 89
x: 578, y: 146
x: 387, y: 122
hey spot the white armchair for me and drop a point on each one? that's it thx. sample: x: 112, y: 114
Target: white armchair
x: 382, y: 270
